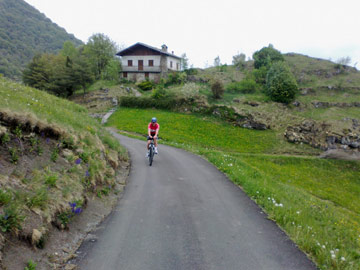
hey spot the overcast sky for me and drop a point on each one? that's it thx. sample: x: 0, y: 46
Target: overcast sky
x: 204, y: 29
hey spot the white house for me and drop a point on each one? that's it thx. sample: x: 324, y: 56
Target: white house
x: 141, y: 62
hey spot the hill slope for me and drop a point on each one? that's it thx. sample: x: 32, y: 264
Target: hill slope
x: 24, y: 31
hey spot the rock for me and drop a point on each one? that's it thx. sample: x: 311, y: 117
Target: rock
x: 296, y: 103
x: 67, y: 153
x: 252, y: 103
x: 112, y: 157
x: 114, y: 102
x: 355, y: 144
x: 35, y: 237
x: 236, y: 100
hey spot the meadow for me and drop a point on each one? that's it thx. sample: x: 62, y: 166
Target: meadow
x: 315, y: 201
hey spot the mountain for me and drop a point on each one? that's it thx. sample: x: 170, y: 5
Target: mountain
x: 24, y: 31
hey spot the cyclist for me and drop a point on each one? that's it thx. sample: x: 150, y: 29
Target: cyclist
x: 153, y: 131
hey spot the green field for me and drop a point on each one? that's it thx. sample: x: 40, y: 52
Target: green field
x: 314, y: 200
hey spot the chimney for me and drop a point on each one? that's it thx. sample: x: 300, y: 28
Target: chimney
x: 164, y: 48
x: 172, y: 52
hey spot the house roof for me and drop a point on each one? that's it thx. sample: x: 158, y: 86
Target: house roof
x: 131, y: 48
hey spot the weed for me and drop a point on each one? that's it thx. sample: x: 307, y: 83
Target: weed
x: 5, y: 138
x: 5, y: 197
x: 50, y: 180
x: 54, y: 154
x: 104, y: 191
x: 64, y: 218
x: 37, y: 200
x: 18, y: 132
x: 14, y: 155
x: 39, y: 150
x: 11, y: 219
x: 30, y: 265
x: 84, y: 156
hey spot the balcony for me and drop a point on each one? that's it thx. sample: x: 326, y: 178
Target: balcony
x: 144, y: 69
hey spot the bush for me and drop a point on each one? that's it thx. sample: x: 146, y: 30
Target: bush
x: 246, y: 86
x: 159, y: 93
x: 191, y: 71
x: 146, y: 85
x: 175, y: 78
x: 281, y: 85
x: 166, y: 103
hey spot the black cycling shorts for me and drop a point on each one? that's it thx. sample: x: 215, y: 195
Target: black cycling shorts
x: 148, y: 137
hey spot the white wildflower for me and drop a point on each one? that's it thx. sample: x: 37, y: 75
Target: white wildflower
x: 333, y: 256
x: 343, y: 259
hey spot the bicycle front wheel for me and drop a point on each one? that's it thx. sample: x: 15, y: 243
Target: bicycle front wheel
x: 151, y: 155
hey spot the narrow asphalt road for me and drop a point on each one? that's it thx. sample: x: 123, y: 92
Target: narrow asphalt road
x: 182, y: 213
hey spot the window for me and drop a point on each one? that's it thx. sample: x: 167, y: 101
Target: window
x: 177, y: 66
x: 130, y: 63
x: 170, y: 64
x: 125, y: 74
x: 146, y: 75
x: 151, y: 63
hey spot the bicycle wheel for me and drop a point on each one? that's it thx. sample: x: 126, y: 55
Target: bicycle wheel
x: 151, y: 155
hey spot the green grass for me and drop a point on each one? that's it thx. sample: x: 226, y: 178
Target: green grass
x: 315, y: 201
x: 83, y: 138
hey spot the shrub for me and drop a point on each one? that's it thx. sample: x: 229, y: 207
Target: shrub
x: 246, y: 86
x: 175, y: 78
x: 146, y: 85
x: 159, y: 93
x: 217, y: 89
x: 191, y: 71
x: 281, y: 85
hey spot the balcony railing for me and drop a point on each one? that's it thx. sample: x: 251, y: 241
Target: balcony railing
x: 144, y: 69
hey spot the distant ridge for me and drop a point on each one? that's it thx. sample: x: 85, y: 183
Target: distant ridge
x: 25, y: 31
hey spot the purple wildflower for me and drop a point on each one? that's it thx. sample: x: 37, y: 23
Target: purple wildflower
x: 78, y: 210
x: 72, y: 205
x: 42, y: 134
x: 78, y: 161
x: 47, y: 140
x: 87, y: 173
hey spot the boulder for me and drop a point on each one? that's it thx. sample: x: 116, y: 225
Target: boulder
x: 36, y: 237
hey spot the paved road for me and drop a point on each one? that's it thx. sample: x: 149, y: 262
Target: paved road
x: 182, y: 213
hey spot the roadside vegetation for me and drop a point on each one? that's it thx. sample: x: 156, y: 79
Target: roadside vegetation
x: 314, y: 200
x: 53, y: 158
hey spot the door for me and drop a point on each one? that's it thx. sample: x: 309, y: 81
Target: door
x: 141, y: 65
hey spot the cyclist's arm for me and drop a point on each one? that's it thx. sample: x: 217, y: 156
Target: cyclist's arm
x: 157, y: 131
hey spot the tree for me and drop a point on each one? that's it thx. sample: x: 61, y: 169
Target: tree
x: 101, y: 50
x: 217, y: 61
x: 184, y: 62
x: 217, y: 89
x: 344, y: 61
x: 239, y: 61
x: 266, y: 56
x: 281, y: 85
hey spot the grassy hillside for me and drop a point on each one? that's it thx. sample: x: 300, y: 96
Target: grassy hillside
x: 52, y: 156
x: 314, y: 200
x: 24, y: 31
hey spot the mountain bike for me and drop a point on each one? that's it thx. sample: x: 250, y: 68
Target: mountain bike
x: 151, y: 152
